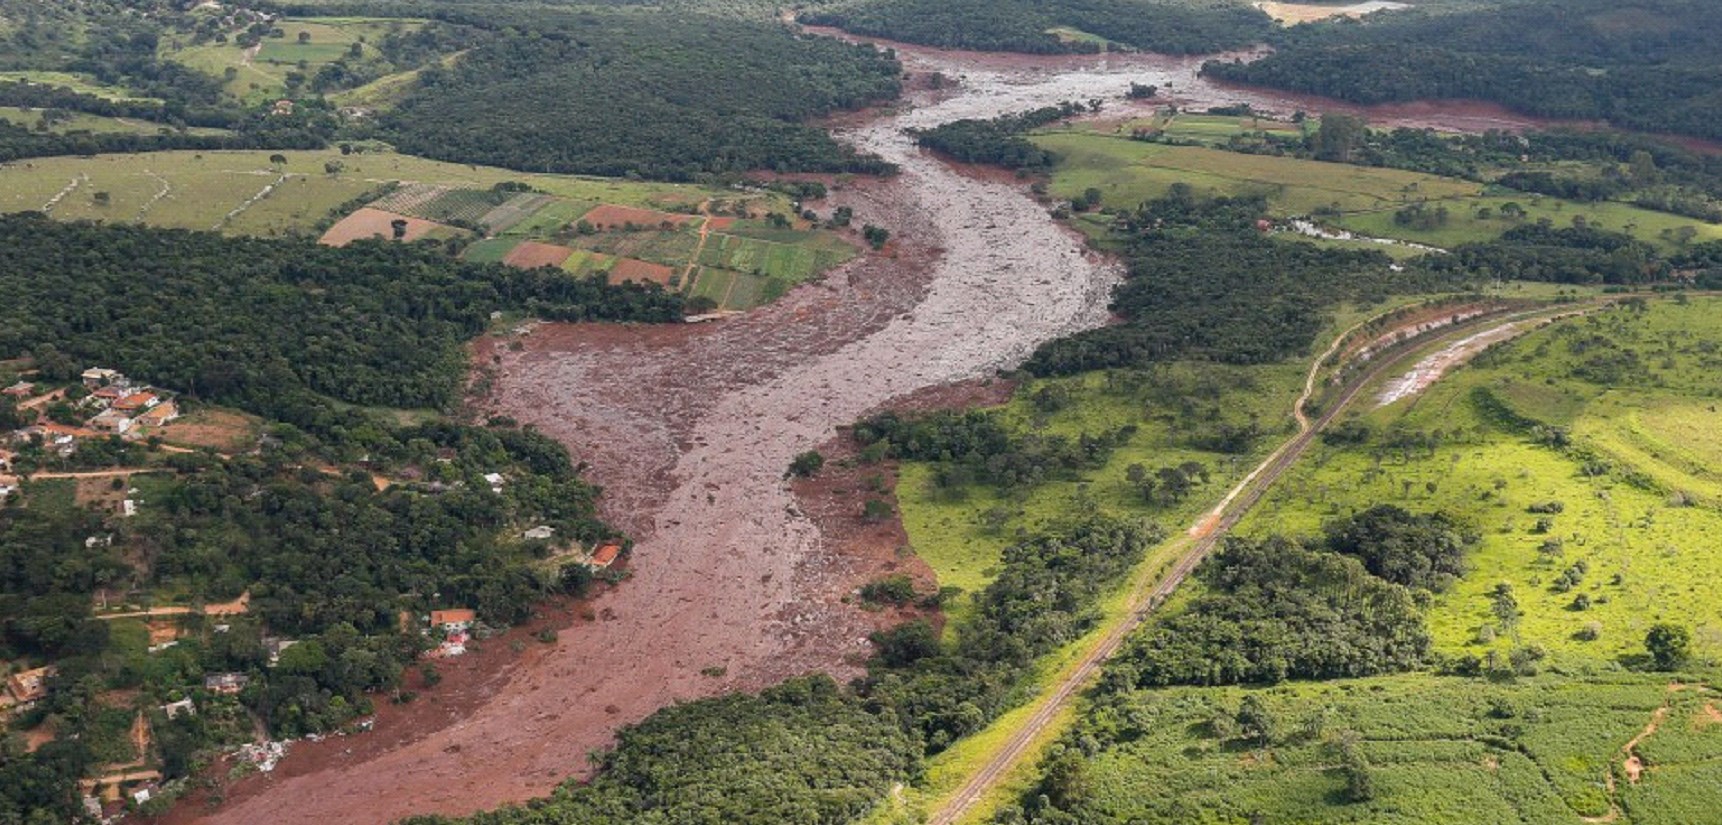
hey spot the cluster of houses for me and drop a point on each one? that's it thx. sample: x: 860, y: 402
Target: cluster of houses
x: 113, y: 405
x: 23, y: 689
x: 455, y: 626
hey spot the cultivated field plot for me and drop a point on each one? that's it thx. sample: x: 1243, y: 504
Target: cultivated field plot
x: 768, y: 259
x: 611, y: 216
x: 489, y: 250
x: 533, y: 254
x: 674, y: 247
x: 376, y: 223
x: 1127, y: 172
x: 629, y: 269
x: 583, y: 264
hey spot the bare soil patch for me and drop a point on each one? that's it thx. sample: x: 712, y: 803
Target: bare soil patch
x: 612, y: 216
x: 375, y: 223
x: 534, y: 254
x: 630, y: 269
x: 689, y: 429
x: 220, y: 430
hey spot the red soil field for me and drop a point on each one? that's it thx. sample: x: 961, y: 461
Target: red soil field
x: 629, y: 269
x: 368, y: 223
x: 533, y: 254
x: 610, y: 215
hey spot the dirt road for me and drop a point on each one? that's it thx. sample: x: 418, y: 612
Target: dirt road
x: 689, y: 430
x: 1201, y: 540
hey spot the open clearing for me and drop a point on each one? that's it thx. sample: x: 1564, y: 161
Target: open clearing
x: 261, y: 74
x: 1128, y: 172
x: 531, y: 254
x: 375, y: 223
x: 205, y: 186
x: 1290, y: 14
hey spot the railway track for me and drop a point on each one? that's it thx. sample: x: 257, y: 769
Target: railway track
x: 1201, y: 540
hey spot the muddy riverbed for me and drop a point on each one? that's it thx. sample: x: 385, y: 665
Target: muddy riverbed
x: 690, y: 428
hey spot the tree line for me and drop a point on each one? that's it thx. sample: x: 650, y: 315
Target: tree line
x: 1551, y: 58
x: 1168, y: 26
x: 625, y: 93
x: 274, y: 326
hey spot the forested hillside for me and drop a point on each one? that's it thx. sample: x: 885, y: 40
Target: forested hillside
x: 1170, y: 26
x: 663, y: 97
x: 1204, y: 283
x: 270, y: 325
x: 1643, y: 64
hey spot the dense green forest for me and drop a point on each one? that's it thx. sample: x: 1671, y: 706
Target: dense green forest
x: 804, y: 751
x: 663, y: 97
x: 1170, y: 26
x: 1202, y: 282
x: 273, y: 325
x: 1650, y: 65
x: 998, y: 141
x: 1277, y: 609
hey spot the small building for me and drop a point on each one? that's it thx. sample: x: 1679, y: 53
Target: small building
x: 275, y: 648
x: 108, y: 394
x: 457, y: 620
x: 22, y: 389
x: 282, y: 108
x: 129, y: 508
x: 101, y: 376
x: 495, y: 480
x: 159, y: 415
x: 8, y: 486
x: 137, y: 401
x: 605, y: 556
x: 183, y: 707
x: 30, y: 685
x: 226, y: 684
x: 540, y: 533
x: 113, y: 420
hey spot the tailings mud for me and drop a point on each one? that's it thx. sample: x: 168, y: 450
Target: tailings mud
x: 690, y: 428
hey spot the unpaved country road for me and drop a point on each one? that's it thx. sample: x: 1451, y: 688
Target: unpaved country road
x: 1200, y: 541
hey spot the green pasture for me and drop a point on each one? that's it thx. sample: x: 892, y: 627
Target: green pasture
x: 205, y: 186
x: 1639, y: 496
x: 1127, y: 172
x: 489, y: 250
x: 583, y: 263
x: 80, y: 122
x: 260, y: 73
x: 76, y: 82
x: 673, y: 247
x: 1439, y: 749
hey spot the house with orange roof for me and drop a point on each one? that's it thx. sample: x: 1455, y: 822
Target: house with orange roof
x: 605, y: 556
x: 453, y: 621
x: 30, y: 685
x: 137, y: 401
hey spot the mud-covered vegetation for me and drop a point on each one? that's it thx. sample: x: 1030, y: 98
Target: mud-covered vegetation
x: 1650, y: 65
x: 1169, y: 26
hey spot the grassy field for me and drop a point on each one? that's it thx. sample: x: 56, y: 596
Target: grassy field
x: 203, y: 187
x: 75, y: 82
x: 1637, y: 490
x: 1440, y: 749
x: 260, y: 73
x: 80, y: 122
x: 1127, y: 172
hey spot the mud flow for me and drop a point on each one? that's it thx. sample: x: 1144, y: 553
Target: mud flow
x: 690, y: 428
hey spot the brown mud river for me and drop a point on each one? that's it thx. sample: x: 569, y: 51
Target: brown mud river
x: 690, y: 427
